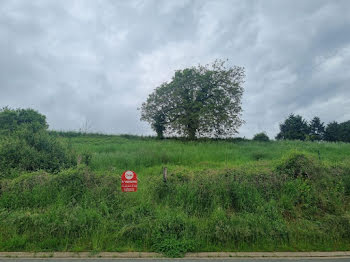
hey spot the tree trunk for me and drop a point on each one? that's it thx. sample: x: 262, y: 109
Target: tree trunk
x: 160, y: 134
x: 192, y: 135
x: 191, y: 130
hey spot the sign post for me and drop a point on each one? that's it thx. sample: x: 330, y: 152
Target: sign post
x: 129, y: 181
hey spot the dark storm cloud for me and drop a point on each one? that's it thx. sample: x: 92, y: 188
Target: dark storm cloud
x: 92, y: 63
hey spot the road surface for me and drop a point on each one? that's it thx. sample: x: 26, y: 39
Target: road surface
x: 322, y: 259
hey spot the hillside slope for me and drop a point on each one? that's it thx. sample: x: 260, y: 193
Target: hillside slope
x: 219, y: 196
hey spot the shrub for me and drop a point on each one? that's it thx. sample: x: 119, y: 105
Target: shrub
x: 31, y: 151
x: 298, y: 164
x: 14, y: 119
x: 261, y: 137
x: 172, y: 247
x: 27, y: 145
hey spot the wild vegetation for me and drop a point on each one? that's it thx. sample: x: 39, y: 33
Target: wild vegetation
x: 219, y: 196
x: 60, y: 191
x: 26, y: 145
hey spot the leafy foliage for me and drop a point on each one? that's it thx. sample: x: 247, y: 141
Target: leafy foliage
x: 297, y: 165
x: 332, y: 132
x: 155, y: 109
x: 199, y: 101
x: 345, y: 131
x: 14, y: 119
x: 25, y: 150
x: 338, y: 132
x: 171, y: 234
x: 261, y: 137
x: 293, y: 128
x: 317, y: 129
x: 27, y: 145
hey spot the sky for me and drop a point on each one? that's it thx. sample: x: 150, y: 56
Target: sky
x: 88, y: 65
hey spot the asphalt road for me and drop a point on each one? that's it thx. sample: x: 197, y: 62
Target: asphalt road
x: 340, y: 259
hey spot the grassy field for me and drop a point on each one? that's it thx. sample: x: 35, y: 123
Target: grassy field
x: 220, y: 196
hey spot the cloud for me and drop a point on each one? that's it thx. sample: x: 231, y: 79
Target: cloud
x: 96, y: 61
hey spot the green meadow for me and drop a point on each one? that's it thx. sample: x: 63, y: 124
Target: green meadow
x: 140, y: 153
x: 232, y: 195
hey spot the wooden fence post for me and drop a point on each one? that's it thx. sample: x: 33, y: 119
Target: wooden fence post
x: 165, y: 173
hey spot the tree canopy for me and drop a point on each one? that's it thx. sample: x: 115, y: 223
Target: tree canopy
x: 262, y: 137
x: 337, y: 132
x: 294, y: 128
x: 202, y: 101
x: 316, y: 129
x: 13, y: 119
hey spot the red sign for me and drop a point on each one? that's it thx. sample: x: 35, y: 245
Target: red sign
x: 129, y: 181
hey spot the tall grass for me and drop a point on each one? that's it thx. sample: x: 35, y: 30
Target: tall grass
x: 114, y: 152
x: 219, y: 196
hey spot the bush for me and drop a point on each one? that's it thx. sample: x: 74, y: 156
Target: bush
x: 27, y: 145
x: 31, y: 151
x: 14, y: 119
x: 298, y: 164
x: 172, y: 247
x: 261, y: 137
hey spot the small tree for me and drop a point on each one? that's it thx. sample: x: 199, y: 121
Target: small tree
x: 198, y: 101
x: 261, y: 137
x: 317, y: 129
x: 293, y: 128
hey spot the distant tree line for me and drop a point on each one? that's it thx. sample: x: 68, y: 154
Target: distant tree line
x: 295, y: 127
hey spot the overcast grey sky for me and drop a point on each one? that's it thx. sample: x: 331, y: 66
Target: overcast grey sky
x: 97, y: 61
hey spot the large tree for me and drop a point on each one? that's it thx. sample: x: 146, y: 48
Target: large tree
x: 293, y: 128
x: 198, y: 101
